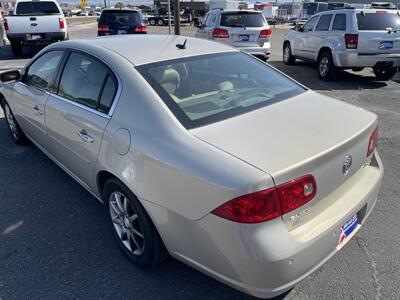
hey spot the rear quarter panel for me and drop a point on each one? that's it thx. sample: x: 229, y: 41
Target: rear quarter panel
x: 166, y: 165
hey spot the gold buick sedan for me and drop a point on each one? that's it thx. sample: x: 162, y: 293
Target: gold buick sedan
x: 202, y: 152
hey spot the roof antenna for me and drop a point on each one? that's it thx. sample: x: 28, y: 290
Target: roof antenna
x: 182, y: 46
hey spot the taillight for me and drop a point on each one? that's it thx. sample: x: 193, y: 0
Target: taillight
x: 269, y: 204
x: 265, y: 33
x: 102, y: 28
x: 373, y: 141
x: 220, y: 33
x: 351, y: 40
x: 141, y: 28
x: 6, y: 27
x: 296, y: 193
x: 61, y: 23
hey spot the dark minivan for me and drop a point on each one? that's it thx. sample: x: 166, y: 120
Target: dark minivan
x: 120, y: 21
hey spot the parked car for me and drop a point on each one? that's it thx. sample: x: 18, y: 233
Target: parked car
x: 120, y: 21
x: 201, y: 151
x: 83, y: 14
x: 347, y: 39
x: 243, y: 29
x: 35, y: 23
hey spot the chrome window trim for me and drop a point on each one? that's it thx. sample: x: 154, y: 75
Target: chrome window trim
x: 84, y: 107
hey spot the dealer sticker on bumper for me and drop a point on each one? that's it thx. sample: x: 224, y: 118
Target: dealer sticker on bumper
x: 347, y: 229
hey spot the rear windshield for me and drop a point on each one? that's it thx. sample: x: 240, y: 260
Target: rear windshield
x: 206, y: 89
x: 121, y: 17
x: 37, y: 8
x: 244, y: 18
x: 378, y: 21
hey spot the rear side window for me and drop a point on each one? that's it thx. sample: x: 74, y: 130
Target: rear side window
x: 121, y: 17
x: 85, y: 80
x: 243, y: 18
x: 339, y: 23
x: 378, y: 21
x: 37, y: 8
x: 323, y: 23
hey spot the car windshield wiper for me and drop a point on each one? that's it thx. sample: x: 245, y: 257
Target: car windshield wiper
x: 238, y: 25
x: 390, y: 30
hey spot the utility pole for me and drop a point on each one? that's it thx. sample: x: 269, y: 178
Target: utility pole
x: 177, y: 18
x: 169, y: 16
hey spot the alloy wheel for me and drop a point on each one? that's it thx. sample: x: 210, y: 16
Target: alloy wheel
x: 11, y: 121
x: 324, y: 66
x: 286, y: 54
x: 126, y: 223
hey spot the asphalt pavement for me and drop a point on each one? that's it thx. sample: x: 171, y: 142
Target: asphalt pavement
x: 55, y: 243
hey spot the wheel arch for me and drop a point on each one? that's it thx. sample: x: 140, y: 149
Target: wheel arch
x: 323, y: 50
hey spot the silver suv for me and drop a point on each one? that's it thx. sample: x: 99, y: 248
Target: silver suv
x: 347, y: 39
x: 243, y: 29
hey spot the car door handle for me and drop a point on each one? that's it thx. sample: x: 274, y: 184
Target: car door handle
x: 37, y: 110
x: 85, y: 137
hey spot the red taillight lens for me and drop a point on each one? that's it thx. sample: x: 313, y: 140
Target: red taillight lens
x: 265, y: 34
x: 102, y: 28
x: 6, y: 27
x: 220, y: 33
x: 269, y: 204
x: 351, y: 40
x: 61, y: 23
x: 296, y: 193
x: 373, y: 141
x: 141, y: 28
x: 251, y: 208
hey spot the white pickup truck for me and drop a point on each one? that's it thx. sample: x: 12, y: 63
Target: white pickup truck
x: 35, y: 23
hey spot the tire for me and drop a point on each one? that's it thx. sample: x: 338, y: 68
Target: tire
x: 160, y: 22
x: 288, y: 58
x: 16, y: 132
x: 325, y: 66
x: 132, y: 227
x: 16, y: 48
x: 384, y: 73
x: 152, y: 22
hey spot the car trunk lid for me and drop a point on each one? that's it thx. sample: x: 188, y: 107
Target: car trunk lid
x: 309, y: 134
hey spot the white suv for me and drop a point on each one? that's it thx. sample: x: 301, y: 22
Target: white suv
x: 246, y: 30
x: 347, y: 39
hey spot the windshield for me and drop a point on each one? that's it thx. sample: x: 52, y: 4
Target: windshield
x: 243, y: 18
x: 37, y: 8
x: 378, y: 21
x: 120, y: 17
x: 205, y: 89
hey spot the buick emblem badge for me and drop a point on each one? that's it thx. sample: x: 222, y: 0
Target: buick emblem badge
x: 348, y: 160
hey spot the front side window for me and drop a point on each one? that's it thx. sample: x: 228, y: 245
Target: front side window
x: 309, y: 26
x: 205, y: 89
x: 42, y: 72
x: 339, y: 23
x: 324, y: 23
x: 85, y: 81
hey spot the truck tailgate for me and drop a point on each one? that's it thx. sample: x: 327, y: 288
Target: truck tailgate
x: 34, y: 24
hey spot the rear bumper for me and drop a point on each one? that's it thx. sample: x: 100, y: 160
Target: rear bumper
x: 266, y: 259
x: 348, y: 59
x: 263, y: 51
x: 48, y: 37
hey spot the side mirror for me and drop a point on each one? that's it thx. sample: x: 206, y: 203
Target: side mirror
x: 8, y: 76
x: 200, y: 25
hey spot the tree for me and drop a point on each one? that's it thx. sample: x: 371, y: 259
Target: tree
x: 119, y: 5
